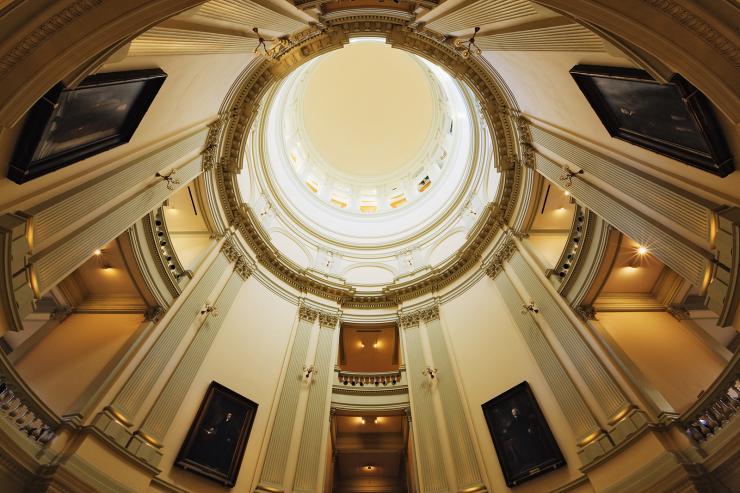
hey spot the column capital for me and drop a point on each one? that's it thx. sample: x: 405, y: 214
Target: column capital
x: 679, y: 312
x: 585, y: 312
x: 328, y: 319
x: 503, y: 252
x: 154, y: 313
x: 426, y: 314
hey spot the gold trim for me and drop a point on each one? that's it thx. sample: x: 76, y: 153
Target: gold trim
x: 620, y: 415
x: 590, y: 438
x: 120, y: 418
x: 247, y: 96
x: 474, y: 488
x: 269, y: 489
x: 150, y: 439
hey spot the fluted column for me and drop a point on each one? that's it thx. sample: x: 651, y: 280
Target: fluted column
x: 315, y: 424
x: 589, y: 435
x: 467, y: 472
x: 66, y: 231
x: 149, y: 439
x: 127, y: 403
x: 678, y: 236
x: 431, y: 467
x: 609, y: 396
x: 272, y: 476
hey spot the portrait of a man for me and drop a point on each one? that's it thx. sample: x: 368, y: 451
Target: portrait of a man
x: 218, y: 436
x: 524, y: 444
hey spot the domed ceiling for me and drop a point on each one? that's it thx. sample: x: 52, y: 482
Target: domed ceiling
x: 368, y: 167
x: 350, y: 105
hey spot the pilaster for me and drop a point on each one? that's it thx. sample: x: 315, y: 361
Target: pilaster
x: 431, y: 467
x: 272, y: 475
x: 681, y: 255
x: 467, y: 472
x: 591, y: 440
x: 607, y: 393
x: 122, y: 411
x: 315, y: 425
x: 147, y: 441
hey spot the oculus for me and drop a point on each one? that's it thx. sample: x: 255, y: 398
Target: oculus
x: 214, y: 446
x: 70, y: 124
x: 672, y: 119
x: 524, y: 443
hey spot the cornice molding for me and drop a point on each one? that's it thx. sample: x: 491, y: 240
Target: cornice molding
x: 42, y: 33
x: 225, y: 147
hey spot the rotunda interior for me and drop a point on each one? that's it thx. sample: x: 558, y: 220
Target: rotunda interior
x: 369, y: 246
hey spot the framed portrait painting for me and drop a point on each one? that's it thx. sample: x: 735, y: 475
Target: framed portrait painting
x: 214, y: 446
x: 71, y: 124
x: 523, y: 441
x: 673, y: 119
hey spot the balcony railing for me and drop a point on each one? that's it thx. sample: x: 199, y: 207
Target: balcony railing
x: 573, y: 247
x: 22, y: 409
x: 361, y: 379
x: 717, y: 407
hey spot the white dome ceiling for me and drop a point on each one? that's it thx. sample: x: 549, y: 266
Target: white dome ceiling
x: 380, y: 174
x: 360, y: 121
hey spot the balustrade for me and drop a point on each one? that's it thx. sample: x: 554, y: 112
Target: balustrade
x: 19, y: 410
x: 716, y: 407
x: 369, y: 378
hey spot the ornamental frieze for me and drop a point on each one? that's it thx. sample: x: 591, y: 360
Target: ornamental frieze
x: 241, y: 110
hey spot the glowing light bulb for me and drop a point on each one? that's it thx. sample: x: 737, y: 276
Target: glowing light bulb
x: 642, y: 250
x: 97, y: 252
x: 567, y: 193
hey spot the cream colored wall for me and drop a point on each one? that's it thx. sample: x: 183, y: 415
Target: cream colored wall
x: 246, y: 356
x: 193, y: 92
x: 672, y: 358
x: 492, y: 357
x: 72, y: 355
x: 547, y: 247
x: 544, y: 88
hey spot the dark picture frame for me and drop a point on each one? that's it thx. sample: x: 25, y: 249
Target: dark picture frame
x: 673, y: 119
x: 215, y: 444
x: 68, y: 125
x: 524, y: 444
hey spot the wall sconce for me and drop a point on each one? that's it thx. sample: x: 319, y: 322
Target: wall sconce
x: 638, y: 257
x: 568, y: 176
x: 468, y: 47
x: 260, y: 43
x: 429, y: 371
x: 529, y: 307
x: 171, y: 180
x: 210, y: 309
x: 311, y: 370
x: 98, y: 253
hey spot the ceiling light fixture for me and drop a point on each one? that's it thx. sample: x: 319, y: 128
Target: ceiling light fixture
x: 642, y: 250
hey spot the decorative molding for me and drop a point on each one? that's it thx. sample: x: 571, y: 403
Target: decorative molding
x: 585, y: 312
x: 502, y: 254
x: 307, y: 314
x: 42, y: 33
x: 725, y: 47
x: 411, y: 319
x: 241, y: 110
x: 327, y: 319
x: 154, y: 313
